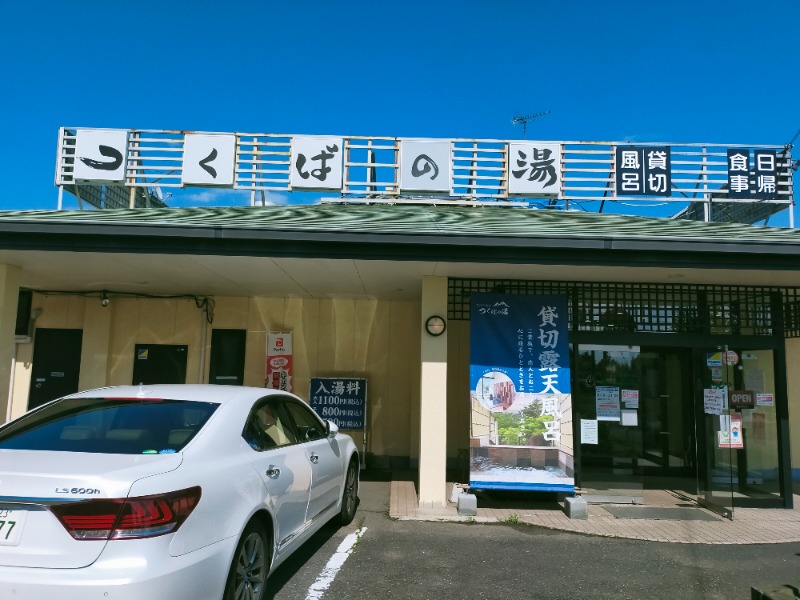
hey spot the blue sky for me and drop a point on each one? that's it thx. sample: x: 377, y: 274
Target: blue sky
x: 721, y: 71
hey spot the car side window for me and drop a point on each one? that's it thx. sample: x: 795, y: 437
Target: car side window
x: 306, y: 423
x: 267, y: 427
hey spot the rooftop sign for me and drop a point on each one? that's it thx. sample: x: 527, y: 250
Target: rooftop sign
x: 458, y: 169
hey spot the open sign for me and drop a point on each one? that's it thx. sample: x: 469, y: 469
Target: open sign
x: 742, y: 399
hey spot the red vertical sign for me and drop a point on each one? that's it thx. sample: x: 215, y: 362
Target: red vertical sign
x: 279, y: 361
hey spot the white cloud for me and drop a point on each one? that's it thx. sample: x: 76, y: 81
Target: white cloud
x: 273, y: 197
x: 209, y: 197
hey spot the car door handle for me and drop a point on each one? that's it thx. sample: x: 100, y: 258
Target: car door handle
x: 313, y: 458
x: 273, y: 472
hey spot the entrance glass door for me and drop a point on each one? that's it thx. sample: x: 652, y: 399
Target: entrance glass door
x: 717, y: 468
x: 699, y: 423
x: 639, y: 402
x: 607, y: 397
x: 668, y: 457
x: 741, y: 466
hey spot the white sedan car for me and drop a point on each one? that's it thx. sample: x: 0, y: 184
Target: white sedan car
x: 165, y: 491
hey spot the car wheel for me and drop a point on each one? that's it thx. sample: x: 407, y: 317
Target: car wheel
x: 350, y: 494
x: 248, y: 575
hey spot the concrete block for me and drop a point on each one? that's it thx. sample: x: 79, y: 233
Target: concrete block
x: 576, y: 508
x: 776, y: 592
x: 467, y: 505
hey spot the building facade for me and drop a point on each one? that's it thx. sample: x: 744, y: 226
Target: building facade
x: 664, y: 312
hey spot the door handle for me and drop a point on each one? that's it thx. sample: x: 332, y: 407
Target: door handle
x: 313, y: 458
x: 273, y: 472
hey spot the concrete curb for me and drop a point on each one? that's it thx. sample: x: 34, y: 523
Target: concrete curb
x: 749, y: 526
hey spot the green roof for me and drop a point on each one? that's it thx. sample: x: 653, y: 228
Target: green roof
x: 441, y: 221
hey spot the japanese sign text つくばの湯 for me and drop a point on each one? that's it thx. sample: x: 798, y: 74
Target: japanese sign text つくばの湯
x: 459, y: 168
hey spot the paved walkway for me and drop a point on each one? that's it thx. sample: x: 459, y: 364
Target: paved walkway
x: 749, y: 525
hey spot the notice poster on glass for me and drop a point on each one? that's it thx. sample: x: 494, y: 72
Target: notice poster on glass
x: 520, y: 397
x: 630, y: 398
x: 730, y: 431
x: 589, y: 431
x: 629, y: 418
x: 765, y: 400
x: 714, y: 401
x: 607, y: 403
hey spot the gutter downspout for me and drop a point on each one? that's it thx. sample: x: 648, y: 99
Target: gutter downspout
x: 203, y: 335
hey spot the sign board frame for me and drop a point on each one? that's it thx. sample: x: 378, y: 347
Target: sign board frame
x: 336, y: 403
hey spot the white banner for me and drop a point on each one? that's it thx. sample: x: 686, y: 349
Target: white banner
x: 316, y: 163
x: 208, y: 159
x: 534, y: 168
x: 100, y: 154
x: 425, y: 166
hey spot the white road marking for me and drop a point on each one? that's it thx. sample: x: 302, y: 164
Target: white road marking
x: 335, y: 563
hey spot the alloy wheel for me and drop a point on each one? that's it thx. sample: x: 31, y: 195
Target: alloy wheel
x: 251, y: 566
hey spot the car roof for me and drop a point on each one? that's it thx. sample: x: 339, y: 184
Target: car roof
x: 220, y: 394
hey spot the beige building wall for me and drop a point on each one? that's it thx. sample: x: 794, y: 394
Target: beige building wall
x: 57, y: 312
x: 377, y: 340
x: 9, y: 294
x: 22, y: 380
x: 151, y: 321
x: 793, y: 391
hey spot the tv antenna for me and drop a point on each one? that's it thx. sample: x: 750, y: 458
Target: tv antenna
x: 524, y: 120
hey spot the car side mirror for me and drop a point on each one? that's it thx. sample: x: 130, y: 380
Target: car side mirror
x: 331, y: 428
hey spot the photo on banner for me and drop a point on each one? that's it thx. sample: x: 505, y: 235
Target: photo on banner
x: 521, y: 402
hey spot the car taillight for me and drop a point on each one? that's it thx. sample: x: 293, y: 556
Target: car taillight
x: 126, y: 518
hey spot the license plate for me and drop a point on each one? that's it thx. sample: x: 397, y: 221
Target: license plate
x: 11, y: 523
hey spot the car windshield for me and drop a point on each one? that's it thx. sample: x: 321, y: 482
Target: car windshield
x: 108, y: 426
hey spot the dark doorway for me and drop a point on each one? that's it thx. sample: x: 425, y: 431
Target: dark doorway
x: 159, y: 363
x: 227, y: 356
x: 668, y: 456
x: 56, y: 364
x: 646, y: 421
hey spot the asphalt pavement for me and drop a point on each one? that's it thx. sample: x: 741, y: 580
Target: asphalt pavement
x: 405, y: 560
